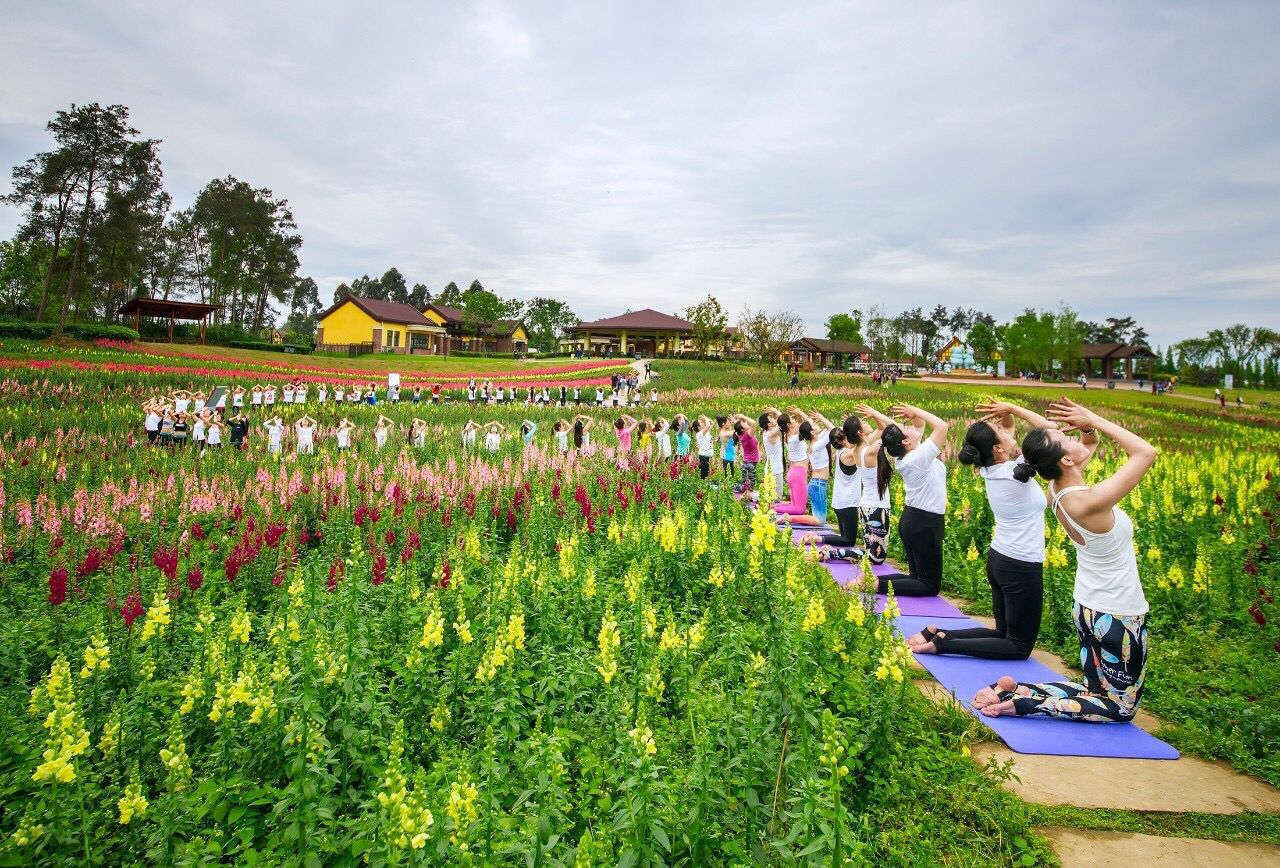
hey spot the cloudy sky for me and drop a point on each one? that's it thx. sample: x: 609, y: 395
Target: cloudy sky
x: 820, y: 157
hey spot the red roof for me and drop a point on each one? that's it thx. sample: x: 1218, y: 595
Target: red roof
x: 1114, y: 351
x: 454, y: 316
x: 384, y: 311
x: 640, y: 320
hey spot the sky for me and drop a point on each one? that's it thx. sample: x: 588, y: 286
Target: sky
x: 817, y: 157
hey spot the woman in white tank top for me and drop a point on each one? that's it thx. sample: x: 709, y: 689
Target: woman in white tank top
x: 1110, y: 608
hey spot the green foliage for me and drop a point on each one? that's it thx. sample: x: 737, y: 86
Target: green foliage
x: 709, y: 320
x: 545, y: 319
x: 845, y: 327
x: 84, y: 331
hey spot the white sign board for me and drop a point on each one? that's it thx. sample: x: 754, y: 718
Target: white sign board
x: 1229, y: 381
x: 1000, y: 368
x: 393, y: 380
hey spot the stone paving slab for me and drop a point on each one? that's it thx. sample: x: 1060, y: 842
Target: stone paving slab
x: 1078, y: 848
x: 1185, y: 784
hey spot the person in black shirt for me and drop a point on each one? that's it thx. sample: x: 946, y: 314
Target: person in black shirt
x: 239, y: 427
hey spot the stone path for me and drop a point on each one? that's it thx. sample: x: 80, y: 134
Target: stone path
x: 1188, y: 784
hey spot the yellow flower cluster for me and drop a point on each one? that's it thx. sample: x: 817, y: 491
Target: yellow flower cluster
x: 568, y: 556
x: 158, y: 616
x: 192, y: 690
x: 815, y: 614
x: 654, y: 685
x: 698, y: 546
x: 1054, y: 556
x: 609, y: 639
x: 895, y: 657
x: 719, y: 575
x: 1200, y: 578
x: 67, y: 737
x: 407, y: 817
x: 696, y: 635
x: 462, y: 626
x: 27, y: 832
x: 245, y: 690
x: 633, y: 581
x: 462, y: 809
x: 972, y: 554
x: 297, y: 728
x: 508, y: 640
x: 174, y: 757
x: 241, y: 626
x: 440, y: 716
x: 650, y: 618
x: 132, y: 803
x: 665, y: 531
x: 670, y: 640
x: 833, y: 748
x: 97, y: 656
x: 110, y: 738
x: 764, y: 530
x: 1173, y: 577
x: 433, y: 629
x: 856, y: 611
x: 642, y: 738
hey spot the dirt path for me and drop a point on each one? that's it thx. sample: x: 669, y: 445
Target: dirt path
x: 1065, y: 388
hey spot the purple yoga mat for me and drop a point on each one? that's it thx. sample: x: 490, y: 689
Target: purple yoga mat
x: 964, y: 676
x: 845, y: 572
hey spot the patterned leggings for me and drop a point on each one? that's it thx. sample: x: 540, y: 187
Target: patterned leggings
x: 875, y: 533
x: 1113, y: 655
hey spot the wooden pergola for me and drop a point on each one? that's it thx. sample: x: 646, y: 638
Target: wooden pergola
x: 1108, y: 354
x: 170, y: 310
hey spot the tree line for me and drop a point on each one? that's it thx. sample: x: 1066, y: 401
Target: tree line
x: 98, y: 228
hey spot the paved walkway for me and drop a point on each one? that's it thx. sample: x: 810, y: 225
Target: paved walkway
x: 1187, y: 784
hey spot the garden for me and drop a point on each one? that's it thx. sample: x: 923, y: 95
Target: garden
x: 421, y: 655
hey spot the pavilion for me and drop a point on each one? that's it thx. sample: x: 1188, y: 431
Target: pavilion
x: 171, y: 310
x: 648, y: 331
x: 1109, y: 354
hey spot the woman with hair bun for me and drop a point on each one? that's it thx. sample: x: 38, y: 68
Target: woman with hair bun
x: 1110, y: 608
x: 1015, y: 558
x: 924, y: 478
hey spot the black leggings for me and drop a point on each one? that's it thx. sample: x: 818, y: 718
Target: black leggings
x: 704, y: 466
x: 1017, y: 601
x: 847, y: 521
x: 921, y: 534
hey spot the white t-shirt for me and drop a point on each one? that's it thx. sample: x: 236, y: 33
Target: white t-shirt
x: 274, y: 433
x: 818, y: 456
x: 257, y: 398
x: 237, y: 400
x: 664, y: 442
x: 925, y: 478
x: 288, y: 394
x: 704, y: 444
x: 344, y: 438
x: 180, y: 405
x: 562, y: 440
x: 306, y: 435
x: 197, y: 431
x: 380, y: 436
x: 339, y: 393
x: 215, y: 435
x: 773, y: 449
x: 492, y: 440
x: 270, y: 395
x: 322, y: 393
x: 1019, y: 511
x: 153, y: 421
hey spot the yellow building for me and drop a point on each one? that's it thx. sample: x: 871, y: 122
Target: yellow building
x: 382, y: 325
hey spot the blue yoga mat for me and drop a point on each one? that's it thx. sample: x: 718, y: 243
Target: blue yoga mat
x: 964, y: 676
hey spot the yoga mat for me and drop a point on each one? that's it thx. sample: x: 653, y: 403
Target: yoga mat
x: 964, y: 676
x: 845, y: 572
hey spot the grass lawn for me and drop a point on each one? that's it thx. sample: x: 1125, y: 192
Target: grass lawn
x: 380, y: 363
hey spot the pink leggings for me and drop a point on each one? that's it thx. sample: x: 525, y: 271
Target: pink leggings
x: 797, y: 481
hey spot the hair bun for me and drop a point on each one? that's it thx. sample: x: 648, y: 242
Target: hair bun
x: 1023, y: 471
x: 968, y: 454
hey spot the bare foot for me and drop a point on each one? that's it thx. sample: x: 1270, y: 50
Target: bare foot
x: 984, y: 697
x: 928, y: 647
x: 999, y: 709
x: 920, y: 638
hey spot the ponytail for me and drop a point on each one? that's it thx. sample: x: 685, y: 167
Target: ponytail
x: 1023, y: 472
x: 892, y: 441
x: 577, y: 433
x: 884, y: 470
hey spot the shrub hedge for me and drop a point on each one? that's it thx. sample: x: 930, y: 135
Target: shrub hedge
x: 84, y: 331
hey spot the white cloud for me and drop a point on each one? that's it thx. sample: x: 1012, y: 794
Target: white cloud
x: 1124, y: 158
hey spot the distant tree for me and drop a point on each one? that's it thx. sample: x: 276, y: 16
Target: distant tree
x: 767, y: 336
x: 482, y: 308
x: 365, y: 286
x: 450, y: 296
x: 304, y: 308
x: 709, y: 321
x: 419, y: 296
x: 1238, y: 341
x: 341, y: 292
x: 546, y: 319
x: 1139, y: 337
x: 845, y: 327
x: 982, y: 338
x: 394, y: 287
x: 21, y: 274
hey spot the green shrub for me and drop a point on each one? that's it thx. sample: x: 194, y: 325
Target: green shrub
x: 264, y: 346
x: 83, y: 331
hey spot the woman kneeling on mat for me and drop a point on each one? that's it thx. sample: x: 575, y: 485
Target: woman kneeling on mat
x: 924, y: 478
x: 1110, y: 609
x: 1015, y: 560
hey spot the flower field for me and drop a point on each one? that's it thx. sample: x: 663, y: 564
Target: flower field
x: 423, y: 656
